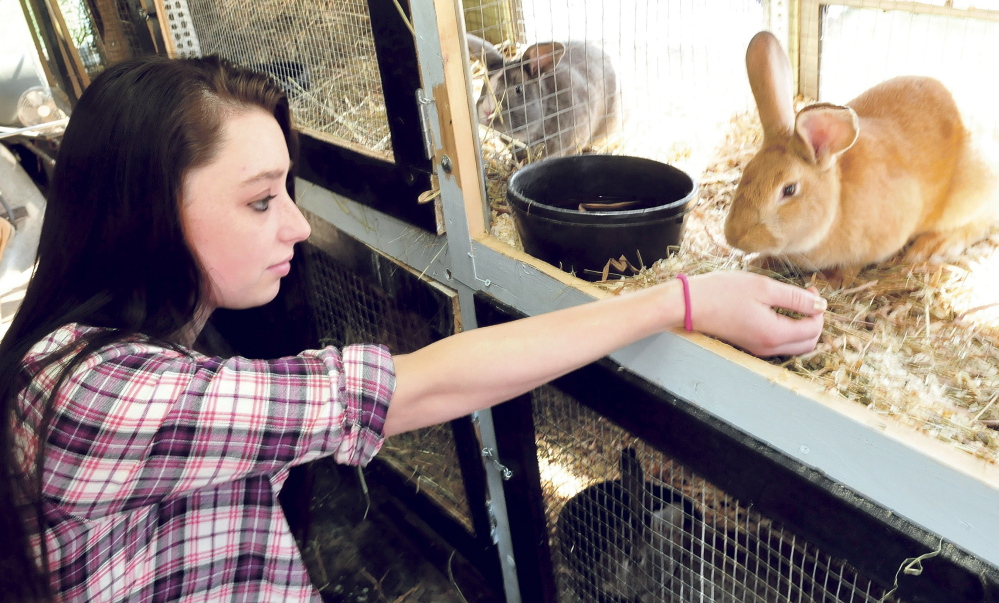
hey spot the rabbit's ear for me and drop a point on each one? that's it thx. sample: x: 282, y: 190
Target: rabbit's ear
x: 827, y: 131
x: 772, y: 83
x: 633, y: 481
x: 543, y: 58
x: 484, y: 52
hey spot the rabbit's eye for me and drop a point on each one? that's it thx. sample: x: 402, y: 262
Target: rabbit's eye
x: 519, y: 89
x: 790, y: 189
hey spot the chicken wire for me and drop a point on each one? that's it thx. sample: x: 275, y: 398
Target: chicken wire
x: 350, y: 310
x: 323, y: 54
x: 952, y: 47
x: 678, y: 67
x: 681, y: 71
x: 692, y: 541
x: 84, y: 28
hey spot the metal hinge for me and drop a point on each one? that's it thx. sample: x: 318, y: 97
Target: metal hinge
x: 422, y: 103
x: 489, y: 453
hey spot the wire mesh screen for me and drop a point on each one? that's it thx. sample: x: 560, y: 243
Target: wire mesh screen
x: 649, y: 79
x: 323, y: 54
x: 947, y: 41
x: 627, y: 523
x: 84, y: 26
x: 350, y: 309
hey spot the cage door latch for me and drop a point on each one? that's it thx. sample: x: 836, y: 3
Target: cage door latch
x: 489, y: 453
x: 423, y: 103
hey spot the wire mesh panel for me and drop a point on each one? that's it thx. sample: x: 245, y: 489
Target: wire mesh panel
x: 952, y: 46
x: 627, y: 523
x: 322, y: 53
x: 353, y: 309
x: 85, y: 25
x: 658, y: 77
x: 179, y: 29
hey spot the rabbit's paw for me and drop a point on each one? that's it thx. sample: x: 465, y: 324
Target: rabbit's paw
x: 944, y: 245
x: 842, y: 277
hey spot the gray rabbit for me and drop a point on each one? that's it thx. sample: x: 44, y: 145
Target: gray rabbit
x: 559, y: 98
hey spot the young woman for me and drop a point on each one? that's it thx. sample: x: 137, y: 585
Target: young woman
x: 137, y: 468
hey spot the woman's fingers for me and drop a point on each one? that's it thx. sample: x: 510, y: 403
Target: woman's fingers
x: 789, y: 336
x: 738, y: 307
x: 796, y: 299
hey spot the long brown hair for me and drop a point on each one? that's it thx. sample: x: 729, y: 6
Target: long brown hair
x: 112, y: 253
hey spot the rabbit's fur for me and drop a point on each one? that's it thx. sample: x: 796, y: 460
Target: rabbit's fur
x: 559, y: 98
x: 846, y: 186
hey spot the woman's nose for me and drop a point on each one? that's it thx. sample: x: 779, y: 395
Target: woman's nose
x: 294, y: 228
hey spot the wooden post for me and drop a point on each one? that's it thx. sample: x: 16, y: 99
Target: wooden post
x: 116, y: 46
x: 78, y: 74
x: 169, y: 41
x: 458, y: 124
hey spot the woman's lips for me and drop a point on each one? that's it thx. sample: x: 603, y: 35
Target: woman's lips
x: 281, y: 268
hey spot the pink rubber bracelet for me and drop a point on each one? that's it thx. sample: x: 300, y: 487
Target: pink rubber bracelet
x: 688, y: 323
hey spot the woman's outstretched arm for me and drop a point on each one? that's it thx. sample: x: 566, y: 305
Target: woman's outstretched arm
x: 482, y: 367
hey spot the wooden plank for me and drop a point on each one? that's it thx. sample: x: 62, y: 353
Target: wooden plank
x: 457, y: 127
x: 809, y: 31
x: 920, y: 8
x: 78, y: 74
x: 347, y: 144
x: 40, y: 52
x: 162, y: 16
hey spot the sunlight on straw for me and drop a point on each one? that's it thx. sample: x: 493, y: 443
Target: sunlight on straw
x: 977, y: 301
x: 565, y: 483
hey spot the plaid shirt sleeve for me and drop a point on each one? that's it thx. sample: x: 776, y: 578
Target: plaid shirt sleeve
x: 137, y: 423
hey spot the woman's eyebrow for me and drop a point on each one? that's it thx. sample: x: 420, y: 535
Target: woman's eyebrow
x: 264, y: 175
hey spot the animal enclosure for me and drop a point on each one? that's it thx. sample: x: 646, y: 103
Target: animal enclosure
x: 612, y: 541
x: 911, y: 341
x: 325, y: 59
x: 909, y: 354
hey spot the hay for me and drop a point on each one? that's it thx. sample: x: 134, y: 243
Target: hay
x: 913, y: 343
x: 343, y: 95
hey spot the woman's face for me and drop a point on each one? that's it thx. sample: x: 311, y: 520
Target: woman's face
x: 237, y: 215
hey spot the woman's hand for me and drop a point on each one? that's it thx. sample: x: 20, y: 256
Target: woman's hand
x: 738, y: 307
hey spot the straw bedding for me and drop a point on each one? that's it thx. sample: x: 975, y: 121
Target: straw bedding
x: 914, y: 343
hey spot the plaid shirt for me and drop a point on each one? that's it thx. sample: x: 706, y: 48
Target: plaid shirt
x: 163, y: 468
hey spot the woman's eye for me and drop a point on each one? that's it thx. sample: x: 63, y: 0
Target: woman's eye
x: 790, y: 190
x: 262, y: 204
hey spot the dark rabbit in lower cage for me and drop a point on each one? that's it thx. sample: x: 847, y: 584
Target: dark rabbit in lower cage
x: 630, y: 540
x: 622, y: 539
x: 561, y: 98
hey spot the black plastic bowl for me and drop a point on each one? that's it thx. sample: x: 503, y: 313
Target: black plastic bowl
x: 545, y: 197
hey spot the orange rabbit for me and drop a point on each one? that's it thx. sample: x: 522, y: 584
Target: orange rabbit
x: 845, y: 186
